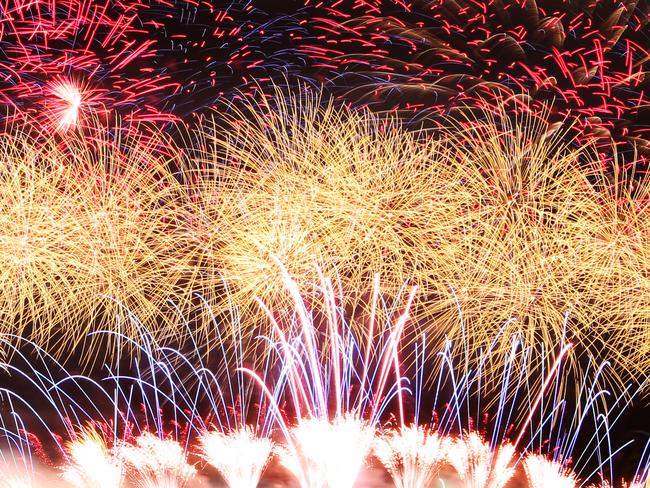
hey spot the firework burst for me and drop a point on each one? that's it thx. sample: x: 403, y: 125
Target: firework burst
x: 87, y: 232
x: 494, y: 219
x: 326, y: 396
x: 350, y: 193
x: 413, y: 455
x: 240, y: 456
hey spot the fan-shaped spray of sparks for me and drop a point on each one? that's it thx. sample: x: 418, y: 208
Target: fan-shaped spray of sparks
x: 328, y: 445
x: 413, y: 455
x: 477, y: 465
x: 545, y: 473
x: 91, y: 464
x: 153, y: 462
x: 326, y: 453
x: 239, y: 456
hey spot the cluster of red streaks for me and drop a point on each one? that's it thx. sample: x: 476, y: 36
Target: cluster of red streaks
x: 589, y: 58
x: 166, y: 60
x: 96, y: 47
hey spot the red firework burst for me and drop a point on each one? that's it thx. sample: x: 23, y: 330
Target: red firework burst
x: 64, y: 59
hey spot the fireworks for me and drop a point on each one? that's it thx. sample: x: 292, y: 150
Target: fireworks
x: 62, y: 60
x: 413, y: 455
x: 522, y: 223
x: 503, y: 181
x: 156, y: 463
x: 499, y: 224
x: 429, y: 58
x: 326, y: 398
x: 477, y: 465
x: 542, y: 472
x: 67, y: 100
x: 239, y: 456
x: 166, y: 60
x: 91, y: 465
x: 307, y: 186
x: 86, y: 236
x: 327, y: 454
x: 495, y: 220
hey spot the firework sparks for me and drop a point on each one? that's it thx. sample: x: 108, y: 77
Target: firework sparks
x: 515, y: 233
x: 240, y: 456
x: 81, y: 230
x: 67, y: 98
x: 101, y: 44
x: 156, y: 463
x: 477, y: 465
x: 91, y: 465
x: 412, y: 455
x: 326, y: 398
x: 346, y: 191
x: 542, y: 472
x: 424, y: 59
x: 494, y: 217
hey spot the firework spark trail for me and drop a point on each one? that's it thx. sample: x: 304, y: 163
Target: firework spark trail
x: 345, y: 190
x: 493, y: 217
x: 159, y: 60
x: 156, y: 61
x: 510, y: 169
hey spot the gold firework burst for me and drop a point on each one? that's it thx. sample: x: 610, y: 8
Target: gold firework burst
x: 86, y: 240
x: 494, y: 218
